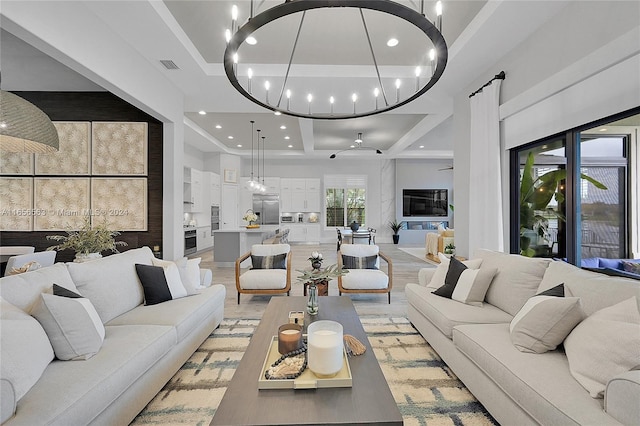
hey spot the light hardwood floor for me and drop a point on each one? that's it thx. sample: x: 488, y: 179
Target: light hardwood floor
x: 405, y: 270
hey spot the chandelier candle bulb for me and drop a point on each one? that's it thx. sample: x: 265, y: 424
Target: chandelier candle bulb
x: 267, y: 85
x: 398, y: 83
x: 439, y: 16
x: 249, y: 76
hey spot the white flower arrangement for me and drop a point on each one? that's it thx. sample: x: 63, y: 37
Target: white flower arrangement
x: 250, y: 216
x: 316, y: 256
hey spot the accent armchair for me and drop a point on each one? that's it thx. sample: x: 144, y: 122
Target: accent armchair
x: 270, y: 271
x: 365, y: 275
x: 40, y: 259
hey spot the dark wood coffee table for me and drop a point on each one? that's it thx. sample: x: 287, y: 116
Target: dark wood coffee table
x: 369, y: 401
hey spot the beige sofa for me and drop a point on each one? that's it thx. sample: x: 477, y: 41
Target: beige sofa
x: 144, y: 346
x: 520, y: 388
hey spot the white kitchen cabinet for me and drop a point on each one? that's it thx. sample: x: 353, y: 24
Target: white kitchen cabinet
x: 300, y: 195
x: 204, y: 239
x: 215, y: 189
x: 192, y: 189
x: 272, y: 184
x: 304, y: 233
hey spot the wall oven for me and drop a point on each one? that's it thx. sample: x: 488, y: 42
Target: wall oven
x: 190, y: 245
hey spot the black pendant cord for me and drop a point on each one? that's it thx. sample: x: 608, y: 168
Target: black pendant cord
x: 500, y: 76
x: 375, y: 63
x: 293, y: 51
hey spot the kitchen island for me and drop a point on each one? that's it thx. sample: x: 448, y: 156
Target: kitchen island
x: 230, y: 244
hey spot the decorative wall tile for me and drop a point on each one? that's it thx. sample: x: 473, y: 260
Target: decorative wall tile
x: 16, y: 204
x: 119, y: 148
x: 64, y: 201
x: 73, y: 157
x: 123, y: 201
x: 16, y: 163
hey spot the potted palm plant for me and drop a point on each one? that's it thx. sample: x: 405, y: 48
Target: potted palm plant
x: 88, y: 242
x: 395, y: 227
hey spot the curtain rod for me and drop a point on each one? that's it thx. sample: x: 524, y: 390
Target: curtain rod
x: 499, y: 76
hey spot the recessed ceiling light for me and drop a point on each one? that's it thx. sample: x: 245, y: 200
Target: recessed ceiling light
x: 392, y: 42
x: 289, y: 146
x: 202, y: 112
x: 218, y: 126
x: 421, y: 146
x: 251, y: 40
x: 352, y: 146
x: 229, y: 137
x: 287, y: 138
x: 277, y: 113
x: 239, y: 146
x: 283, y: 127
x: 603, y: 130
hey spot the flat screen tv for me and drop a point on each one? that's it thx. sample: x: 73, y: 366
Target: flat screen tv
x: 425, y: 202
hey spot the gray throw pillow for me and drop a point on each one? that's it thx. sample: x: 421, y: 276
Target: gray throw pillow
x: 353, y: 262
x: 278, y: 261
x: 71, y: 323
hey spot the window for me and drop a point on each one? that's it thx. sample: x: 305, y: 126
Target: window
x: 345, y: 200
x: 554, y: 214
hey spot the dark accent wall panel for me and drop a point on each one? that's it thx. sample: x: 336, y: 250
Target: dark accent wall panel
x: 101, y: 106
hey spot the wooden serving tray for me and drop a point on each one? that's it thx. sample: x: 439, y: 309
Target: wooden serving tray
x: 307, y: 380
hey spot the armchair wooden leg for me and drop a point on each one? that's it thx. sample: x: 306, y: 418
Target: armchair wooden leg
x: 238, y: 298
x: 389, y: 297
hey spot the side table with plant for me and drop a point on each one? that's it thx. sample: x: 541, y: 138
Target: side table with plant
x: 89, y: 241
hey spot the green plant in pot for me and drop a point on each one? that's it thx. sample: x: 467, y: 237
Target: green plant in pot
x: 450, y: 249
x: 395, y: 227
x: 535, y: 195
x: 88, y: 242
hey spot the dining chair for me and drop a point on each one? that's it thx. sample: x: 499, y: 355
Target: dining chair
x: 339, y: 239
x: 361, y: 235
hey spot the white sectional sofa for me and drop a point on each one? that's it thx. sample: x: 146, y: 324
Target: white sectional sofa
x: 144, y: 346
x: 520, y: 388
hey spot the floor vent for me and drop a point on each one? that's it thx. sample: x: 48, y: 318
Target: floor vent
x: 169, y: 64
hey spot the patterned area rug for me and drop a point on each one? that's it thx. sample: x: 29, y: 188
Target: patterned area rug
x: 424, y: 388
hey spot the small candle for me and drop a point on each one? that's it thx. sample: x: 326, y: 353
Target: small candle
x: 289, y: 338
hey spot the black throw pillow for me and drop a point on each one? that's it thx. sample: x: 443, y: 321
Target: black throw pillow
x: 557, y: 291
x: 61, y: 291
x: 352, y: 262
x: 154, y: 284
x: 278, y: 261
x: 456, y: 268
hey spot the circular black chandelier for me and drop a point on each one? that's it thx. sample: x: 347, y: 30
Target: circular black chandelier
x: 281, y: 100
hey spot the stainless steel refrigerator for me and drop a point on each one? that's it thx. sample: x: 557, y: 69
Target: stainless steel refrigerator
x: 267, y: 208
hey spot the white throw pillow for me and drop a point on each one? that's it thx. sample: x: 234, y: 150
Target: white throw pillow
x: 189, y: 275
x: 473, y: 285
x: 544, y: 322
x: 437, y: 280
x: 604, y: 345
x: 72, y: 324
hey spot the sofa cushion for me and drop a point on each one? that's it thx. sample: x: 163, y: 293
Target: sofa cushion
x: 72, y: 393
x: 184, y: 314
x: 25, y: 352
x: 111, y: 283
x: 160, y: 283
x: 544, y: 322
x: 71, y: 323
x: 596, y: 291
x: 540, y: 383
x: 609, y: 263
x: 604, y: 345
x: 365, y: 279
x: 446, y: 313
x: 438, y: 277
x: 517, y: 279
x: 632, y: 266
x: 24, y: 290
x: 263, y: 279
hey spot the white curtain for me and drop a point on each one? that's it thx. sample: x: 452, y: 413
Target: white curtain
x: 485, y: 188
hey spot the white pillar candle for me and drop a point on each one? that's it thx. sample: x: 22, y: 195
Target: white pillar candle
x: 325, y: 348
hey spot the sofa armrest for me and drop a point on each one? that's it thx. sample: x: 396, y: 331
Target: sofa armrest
x: 424, y: 276
x: 621, y: 397
x: 206, y: 276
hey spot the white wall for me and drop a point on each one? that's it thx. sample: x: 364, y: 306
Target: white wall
x: 581, y: 66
